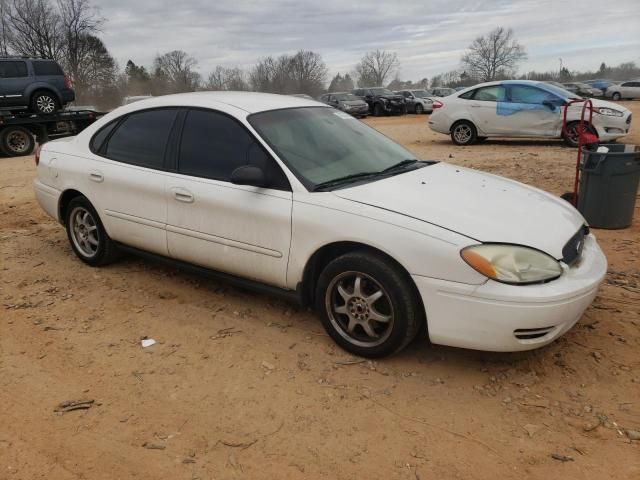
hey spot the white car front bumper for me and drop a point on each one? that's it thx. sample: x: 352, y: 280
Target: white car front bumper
x: 507, y: 318
x: 612, y: 128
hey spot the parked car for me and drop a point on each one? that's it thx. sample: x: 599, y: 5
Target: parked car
x: 381, y: 101
x: 35, y: 84
x: 523, y: 108
x: 442, y: 91
x: 624, y: 90
x: 582, y: 89
x: 600, y: 84
x: 417, y: 101
x: 347, y: 102
x: 278, y: 191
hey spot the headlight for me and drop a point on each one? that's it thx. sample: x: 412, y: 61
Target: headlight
x: 610, y: 112
x: 511, y: 263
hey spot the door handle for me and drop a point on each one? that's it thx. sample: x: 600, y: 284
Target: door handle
x: 475, y: 106
x: 96, y: 176
x: 182, y: 195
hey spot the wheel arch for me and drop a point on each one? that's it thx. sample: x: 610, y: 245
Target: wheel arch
x: 325, y: 254
x: 459, y: 120
x: 65, y: 199
x: 44, y: 88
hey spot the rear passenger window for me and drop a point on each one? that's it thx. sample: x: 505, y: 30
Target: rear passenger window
x: 47, y: 68
x: 98, y: 139
x: 214, y: 145
x: 141, y: 139
x: 13, y: 69
x: 495, y: 93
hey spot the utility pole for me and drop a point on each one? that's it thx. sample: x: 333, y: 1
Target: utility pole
x: 560, y: 74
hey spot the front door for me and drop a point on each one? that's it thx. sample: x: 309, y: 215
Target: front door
x: 237, y: 229
x: 532, y: 111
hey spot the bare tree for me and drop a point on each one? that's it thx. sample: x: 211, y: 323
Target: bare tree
x: 493, y: 55
x: 33, y: 28
x: 223, y: 78
x: 80, y: 21
x: 177, y: 67
x: 376, y: 67
x: 308, y: 72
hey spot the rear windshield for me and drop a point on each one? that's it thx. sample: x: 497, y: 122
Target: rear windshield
x: 47, y: 68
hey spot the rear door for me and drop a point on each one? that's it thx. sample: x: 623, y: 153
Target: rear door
x: 127, y: 177
x: 482, y: 107
x: 237, y: 229
x: 49, y: 72
x: 14, y: 79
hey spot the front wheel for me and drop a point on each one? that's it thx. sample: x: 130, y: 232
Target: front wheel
x: 617, y: 96
x: 464, y: 133
x: 570, y: 136
x: 368, y: 305
x: 87, y: 235
x: 419, y: 109
x: 377, y: 110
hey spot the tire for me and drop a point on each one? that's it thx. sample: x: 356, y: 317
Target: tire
x: 464, y: 133
x: 616, y: 96
x: 377, y: 110
x: 81, y: 221
x: 571, y: 139
x: 419, y: 109
x: 16, y: 142
x: 346, y: 306
x: 44, y: 102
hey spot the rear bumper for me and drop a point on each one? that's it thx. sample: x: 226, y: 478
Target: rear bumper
x: 68, y: 96
x: 47, y: 197
x: 507, y: 318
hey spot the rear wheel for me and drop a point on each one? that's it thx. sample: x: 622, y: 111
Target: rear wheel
x: 87, y: 235
x: 44, y: 102
x: 464, y: 133
x: 368, y: 305
x: 419, y: 109
x: 17, y: 141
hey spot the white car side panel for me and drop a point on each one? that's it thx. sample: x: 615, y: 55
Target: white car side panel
x: 322, y: 219
x: 237, y: 229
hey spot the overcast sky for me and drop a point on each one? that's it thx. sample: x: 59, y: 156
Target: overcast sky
x: 429, y: 35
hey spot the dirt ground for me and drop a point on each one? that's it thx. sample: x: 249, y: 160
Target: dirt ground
x: 246, y: 386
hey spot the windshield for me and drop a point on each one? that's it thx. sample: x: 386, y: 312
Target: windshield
x: 321, y: 144
x: 561, y: 91
x: 345, y: 97
x: 422, y: 93
x: 381, y: 91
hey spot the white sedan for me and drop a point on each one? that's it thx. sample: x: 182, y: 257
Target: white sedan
x: 295, y: 197
x: 522, y: 108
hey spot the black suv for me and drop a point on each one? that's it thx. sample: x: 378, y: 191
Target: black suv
x: 381, y: 100
x: 36, y: 84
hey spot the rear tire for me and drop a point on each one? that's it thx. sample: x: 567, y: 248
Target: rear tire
x: 16, y: 142
x: 419, y: 109
x: 375, y: 316
x: 44, y: 102
x: 87, y: 235
x: 464, y: 133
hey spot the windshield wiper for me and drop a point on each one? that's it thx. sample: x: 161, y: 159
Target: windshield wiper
x: 346, y: 179
x: 400, y: 165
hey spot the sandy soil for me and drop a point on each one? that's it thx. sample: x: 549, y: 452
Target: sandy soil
x: 242, y: 385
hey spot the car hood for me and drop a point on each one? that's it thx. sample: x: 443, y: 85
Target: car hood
x: 478, y: 205
x: 597, y: 103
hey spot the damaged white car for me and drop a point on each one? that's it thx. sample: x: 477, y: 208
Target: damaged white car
x: 293, y: 197
x: 521, y: 108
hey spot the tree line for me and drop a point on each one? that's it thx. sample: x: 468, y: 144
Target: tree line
x: 69, y: 32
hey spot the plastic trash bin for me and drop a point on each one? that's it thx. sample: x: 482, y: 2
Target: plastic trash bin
x: 609, y: 185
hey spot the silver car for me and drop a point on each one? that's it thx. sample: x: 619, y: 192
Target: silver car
x: 624, y: 90
x: 417, y: 101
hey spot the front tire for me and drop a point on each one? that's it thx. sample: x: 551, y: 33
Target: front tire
x: 570, y: 136
x: 87, y: 235
x: 464, y: 133
x: 368, y: 305
x: 616, y: 96
x: 377, y: 110
x: 419, y: 109
x: 44, y: 102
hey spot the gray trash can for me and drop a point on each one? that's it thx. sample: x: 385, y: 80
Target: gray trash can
x: 609, y: 185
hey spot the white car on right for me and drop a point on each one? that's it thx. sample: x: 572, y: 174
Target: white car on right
x: 624, y: 90
x: 523, y: 108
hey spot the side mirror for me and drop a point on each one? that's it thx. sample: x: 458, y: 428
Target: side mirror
x: 249, y: 175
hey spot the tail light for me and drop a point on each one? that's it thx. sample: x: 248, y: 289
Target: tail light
x: 437, y: 104
x: 67, y: 82
x: 37, y: 155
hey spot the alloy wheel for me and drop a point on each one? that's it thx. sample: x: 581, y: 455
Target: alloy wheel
x: 359, y: 309
x: 45, y: 104
x: 462, y: 133
x: 84, y: 231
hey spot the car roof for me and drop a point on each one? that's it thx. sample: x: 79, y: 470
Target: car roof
x: 250, y: 102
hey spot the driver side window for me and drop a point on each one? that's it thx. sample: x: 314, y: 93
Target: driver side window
x: 526, y: 94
